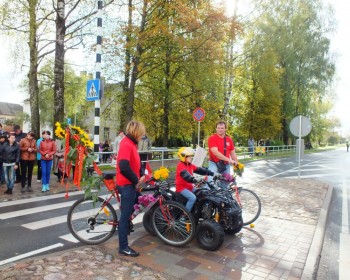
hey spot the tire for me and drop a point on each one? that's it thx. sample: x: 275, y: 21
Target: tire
x: 173, y: 223
x: 236, y: 228
x: 250, y: 204
x: 89, y: 224
x: 210, y: 235
x: 147, y: 220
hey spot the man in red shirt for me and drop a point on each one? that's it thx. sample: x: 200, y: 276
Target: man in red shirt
x: 221, y: 150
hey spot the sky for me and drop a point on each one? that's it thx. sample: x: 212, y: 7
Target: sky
x: 9, y: 79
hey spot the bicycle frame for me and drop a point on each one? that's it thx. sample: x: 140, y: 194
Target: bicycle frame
x: 115, y: 194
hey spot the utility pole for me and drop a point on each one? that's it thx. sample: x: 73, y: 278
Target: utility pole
x: 98, y: 77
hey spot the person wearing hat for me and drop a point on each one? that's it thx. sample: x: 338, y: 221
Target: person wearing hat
x: 184, y: 175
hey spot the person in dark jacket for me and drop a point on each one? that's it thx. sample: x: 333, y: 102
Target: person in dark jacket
x: 10, y: 152
x: 3, y: 140
x: 128, y: 178
x: 19, y: 134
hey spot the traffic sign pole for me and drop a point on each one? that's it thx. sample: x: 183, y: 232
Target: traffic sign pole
x: 300, y: 126
x: 199, y: 131
x: 198, y: 115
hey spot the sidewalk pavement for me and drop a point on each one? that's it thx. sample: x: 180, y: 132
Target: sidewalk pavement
x: 285, y: 243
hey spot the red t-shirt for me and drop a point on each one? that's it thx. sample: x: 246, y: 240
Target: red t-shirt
x: 128, y: 151
x: 216, y: 141
x: 180, y: 182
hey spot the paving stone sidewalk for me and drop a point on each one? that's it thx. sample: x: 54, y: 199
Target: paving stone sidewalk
x: 276, y: 248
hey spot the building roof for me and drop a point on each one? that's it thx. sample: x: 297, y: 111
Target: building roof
x: 10, y: 109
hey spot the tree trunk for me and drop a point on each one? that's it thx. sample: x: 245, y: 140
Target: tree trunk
x: 166, y: 107
x: 127, y: 67
x: 33, y: 69
x: 59, y: 63
x: 135, y: 69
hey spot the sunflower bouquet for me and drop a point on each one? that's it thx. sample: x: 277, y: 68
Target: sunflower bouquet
x: 77, y: 135
x: 238, y: 169
x: 78, y: 151
x: 161, y: 174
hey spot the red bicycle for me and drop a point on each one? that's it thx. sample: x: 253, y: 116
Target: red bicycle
x: 93, y: 222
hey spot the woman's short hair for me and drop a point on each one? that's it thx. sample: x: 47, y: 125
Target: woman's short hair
x: 136, y: 129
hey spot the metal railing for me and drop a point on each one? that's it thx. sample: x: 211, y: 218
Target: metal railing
x: 163, y: 154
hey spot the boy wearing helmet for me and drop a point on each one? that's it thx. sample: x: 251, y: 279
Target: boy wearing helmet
x: 184, y: 175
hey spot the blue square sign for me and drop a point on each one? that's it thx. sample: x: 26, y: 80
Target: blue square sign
x: 93, y: 90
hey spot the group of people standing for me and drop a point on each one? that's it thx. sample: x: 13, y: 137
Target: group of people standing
x: 18, y: 152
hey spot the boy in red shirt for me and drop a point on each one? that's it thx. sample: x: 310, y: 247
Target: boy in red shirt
x: 184, y: 175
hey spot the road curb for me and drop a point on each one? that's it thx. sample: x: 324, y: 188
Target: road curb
x: 314, y: 255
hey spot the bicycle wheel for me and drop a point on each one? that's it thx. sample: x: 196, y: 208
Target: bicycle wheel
x: 90, y: 222
x: 173, y: 223
x: 147, y: 220
x: 250, y: 204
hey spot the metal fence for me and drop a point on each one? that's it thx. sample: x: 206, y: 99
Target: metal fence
x: 164, y: 155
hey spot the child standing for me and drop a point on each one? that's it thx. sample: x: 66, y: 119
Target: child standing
x: 184, y: 175
x: 47, y: 150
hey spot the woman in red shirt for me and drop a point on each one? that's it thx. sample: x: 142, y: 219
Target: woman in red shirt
x: 129, y: 177
x: 184, y: 175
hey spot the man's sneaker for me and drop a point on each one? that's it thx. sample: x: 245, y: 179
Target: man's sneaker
x: 129, y: 252
x: 29, y: 189
x: 23, y: 190
x: 38, y: 181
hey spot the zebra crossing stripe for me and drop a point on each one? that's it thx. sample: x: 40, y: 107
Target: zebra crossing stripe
x: 39, y: 198
x: 56, y: 220
x: 34, y: 210
x: 32, y: 253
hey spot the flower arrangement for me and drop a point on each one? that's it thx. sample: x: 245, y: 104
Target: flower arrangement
x: 238, y: 169
x: 78, y: 135
x: 161, y: 174
x: 78, y: 152
x: 143, y: 201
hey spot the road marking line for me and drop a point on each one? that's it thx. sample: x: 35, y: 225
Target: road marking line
x: 344, y: 238
x: 32, y: 253
x: 70, y: 238
x: 345, y: 215
x: 286, y: 171
x: 59, y: 220
x: 34, y: 210
x: 35, y: 199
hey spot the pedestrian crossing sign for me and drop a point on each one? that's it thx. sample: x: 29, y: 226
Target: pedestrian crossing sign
x: 93, y: 90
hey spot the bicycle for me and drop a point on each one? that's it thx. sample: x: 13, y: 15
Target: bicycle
x: 93, y: 222
x: 247, y: 199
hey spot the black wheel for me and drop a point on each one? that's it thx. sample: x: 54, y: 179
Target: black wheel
x: 91, y: 223
x: 236, y: 228
x: 210, y: 235
x: 147, y: 220
x: 173, y: 223
x: 250, y: 204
